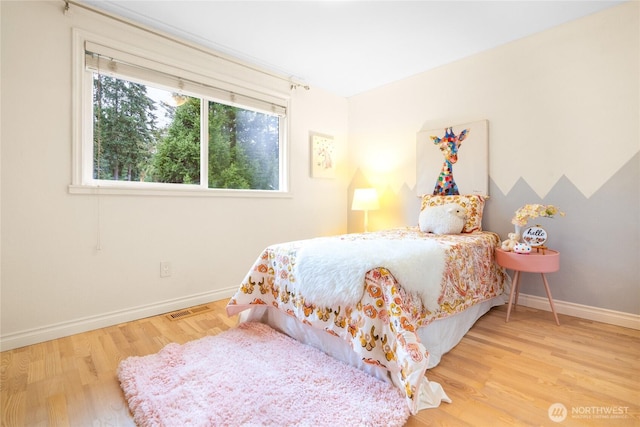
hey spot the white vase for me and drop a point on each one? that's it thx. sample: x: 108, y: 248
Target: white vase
x: 519, y: 230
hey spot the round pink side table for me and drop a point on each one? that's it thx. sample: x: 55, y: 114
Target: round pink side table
x: 530, y: 263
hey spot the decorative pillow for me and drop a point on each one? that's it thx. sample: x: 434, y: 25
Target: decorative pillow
x: 473, y: 203
x: 443, y: 219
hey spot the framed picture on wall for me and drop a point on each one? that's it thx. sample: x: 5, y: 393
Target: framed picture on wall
x: 469, y: 170
x: 322, y: 156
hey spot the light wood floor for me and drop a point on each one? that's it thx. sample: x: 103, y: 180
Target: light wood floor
x: 500, y: 373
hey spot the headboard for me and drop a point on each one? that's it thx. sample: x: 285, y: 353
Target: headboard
x: 471, y: 171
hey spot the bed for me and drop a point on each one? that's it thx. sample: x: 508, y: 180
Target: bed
x: 391, y: 332
x: 389, y: 302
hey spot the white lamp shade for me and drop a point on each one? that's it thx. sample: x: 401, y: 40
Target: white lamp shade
x: 365, y: 199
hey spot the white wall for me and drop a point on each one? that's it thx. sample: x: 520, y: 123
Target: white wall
x: 564, y: 128
x: 53, y: 279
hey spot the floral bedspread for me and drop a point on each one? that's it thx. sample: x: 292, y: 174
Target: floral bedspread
x: 381, y: 328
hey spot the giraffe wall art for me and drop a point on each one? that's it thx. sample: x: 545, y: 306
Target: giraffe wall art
x: 439, y: 154
x: 449, y: 145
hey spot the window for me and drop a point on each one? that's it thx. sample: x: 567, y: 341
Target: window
x: 150, y: 125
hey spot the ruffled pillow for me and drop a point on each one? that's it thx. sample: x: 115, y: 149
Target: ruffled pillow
x: 473, y: 203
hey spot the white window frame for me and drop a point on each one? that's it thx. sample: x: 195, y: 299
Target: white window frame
x: 189, y: 79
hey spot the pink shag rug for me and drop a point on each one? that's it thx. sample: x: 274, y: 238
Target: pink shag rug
x: 253, y: 375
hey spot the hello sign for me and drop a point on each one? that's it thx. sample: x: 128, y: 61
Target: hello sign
x: 535, y: 236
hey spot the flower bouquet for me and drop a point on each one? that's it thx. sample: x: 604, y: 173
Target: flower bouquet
x: 527, y: 212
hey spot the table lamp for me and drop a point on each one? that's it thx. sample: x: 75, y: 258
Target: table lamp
x: 365, y: 199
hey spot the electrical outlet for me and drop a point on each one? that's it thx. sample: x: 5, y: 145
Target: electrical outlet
x: 165, y: 269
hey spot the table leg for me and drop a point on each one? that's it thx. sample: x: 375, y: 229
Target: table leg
x: 546, y: 287
x: 514, y: 287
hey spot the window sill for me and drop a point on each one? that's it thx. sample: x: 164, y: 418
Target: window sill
x: 114, y: 190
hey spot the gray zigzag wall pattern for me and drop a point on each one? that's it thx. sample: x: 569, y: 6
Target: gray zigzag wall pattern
x: 599, y: 238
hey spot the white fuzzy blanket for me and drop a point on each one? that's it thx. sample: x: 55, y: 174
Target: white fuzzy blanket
x: 331, y: 272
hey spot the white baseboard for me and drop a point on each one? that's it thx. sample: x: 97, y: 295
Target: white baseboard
x: 603, y: 315
x: 63, y: 329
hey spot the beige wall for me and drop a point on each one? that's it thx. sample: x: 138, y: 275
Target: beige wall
x: 54, y: 281
x: 564, y: 128
x: 568, y: 95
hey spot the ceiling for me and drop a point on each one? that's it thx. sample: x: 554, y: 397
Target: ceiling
x: 348, y: 47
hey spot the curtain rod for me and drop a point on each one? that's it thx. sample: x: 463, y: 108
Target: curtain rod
x: 67, y: 7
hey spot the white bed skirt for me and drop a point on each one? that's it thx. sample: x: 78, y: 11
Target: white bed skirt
x: 442, y: 335
x: 438, y: 338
